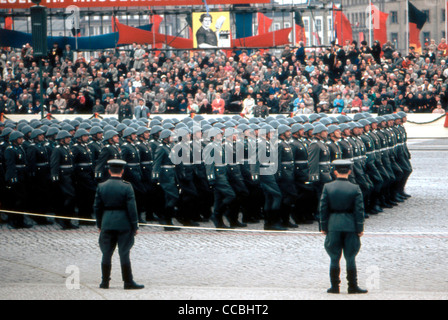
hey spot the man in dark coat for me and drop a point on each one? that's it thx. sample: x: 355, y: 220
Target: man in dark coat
x: 116, y: 217
x: 342, y: 221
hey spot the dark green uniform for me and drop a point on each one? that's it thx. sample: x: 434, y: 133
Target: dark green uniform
x: 342, y: 219
x: 117, y: 218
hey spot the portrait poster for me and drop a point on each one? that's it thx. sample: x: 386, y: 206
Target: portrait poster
x: 211, y: 30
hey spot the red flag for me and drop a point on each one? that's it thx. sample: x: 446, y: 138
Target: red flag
x: 276, y: 38
x: 299, y: 29
x: 128, y: 35
x: 379, y: 24
x: 361, y: 37
x: 342, y: 26
x: 264, y: 23
x: 9, y: 22
x: 417, y: 20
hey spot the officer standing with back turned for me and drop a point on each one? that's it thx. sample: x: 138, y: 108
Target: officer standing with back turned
x: 117, y: 218
x: 342, y: 221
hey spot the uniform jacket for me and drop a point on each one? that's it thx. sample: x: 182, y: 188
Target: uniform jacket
x: 342, y: 207
x: 115, y: 207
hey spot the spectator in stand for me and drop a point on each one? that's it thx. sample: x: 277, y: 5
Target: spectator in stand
x: 218, y: 105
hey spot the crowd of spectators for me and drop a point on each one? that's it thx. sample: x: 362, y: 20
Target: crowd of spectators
x: 139, y: 81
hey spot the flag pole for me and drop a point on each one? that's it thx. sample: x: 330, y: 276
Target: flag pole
x: 407, y: 28
x: 370, y: 23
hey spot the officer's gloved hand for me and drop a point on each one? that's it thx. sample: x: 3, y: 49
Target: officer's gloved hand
x: 13, y: 181
x: 55, y: 179
x: 255, y: 178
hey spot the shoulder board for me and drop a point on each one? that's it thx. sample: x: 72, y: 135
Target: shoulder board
x: 58, y: 146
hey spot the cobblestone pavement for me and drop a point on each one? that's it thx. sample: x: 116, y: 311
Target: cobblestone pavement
x: 403, y: 255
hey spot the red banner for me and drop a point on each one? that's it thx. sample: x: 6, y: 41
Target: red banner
x: 25, y: 4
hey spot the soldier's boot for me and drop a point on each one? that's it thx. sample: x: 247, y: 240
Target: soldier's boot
x: 335, y: 280
x: 352, y: 279
x: 129, y: 283
x: 218, y: 221
x: 105, y: 271
x: 272, y: 221
x: 285, y: 215
x: 168, y: 219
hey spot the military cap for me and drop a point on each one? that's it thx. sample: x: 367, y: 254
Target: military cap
x: 63, y: 134
x: 230, y: 132
x: 267, y: 128
x: 254, y: 126
x: 206, y: 127
x: 237, y: 117
x: 364, y: 122
x: 283, y: 128
x: 332, y: 128
x: 96, y: 130
x: 275, y: 124
x: 313, y: 117
x: 342, y: 119
x: 181, y: 132
x: 6, y: 131
x: 35, y: 124
x: 198, y: 117
x: 26, y: 129
x: 296, y: 127
x: 358, y: 116
x: 116, y: 163
x: 155, y: 123
x: 158, y: 118
x: 195, y: 129
x: 119, y: 127
x: 319, y: 128
x: 166, y: 133
x: 243, y: 120
x: 269, y: 119
x: 372, y: 120
x: 36, y: 132
x: 85, y: 125
x: 402, y: 114
x: 381, y: 119
x: 307, y: 127
x: 219, y: 125
x: 351, y: 125
x: 110, y: 134
x: 126, y: 122
x: 213, y: 132
x: 168, y: 126
x: 52, y: 131
x: 344, y: 126
x: 67, y: 127
x: 156, y: 129
x: 167, y: 120
x: 298, y: 119
x: 134, y: 125
x: 342, y: 164
x: 254, y: 120
x: 74, y: 123
x: 280, y: 116
x: 80, y: 133
x: 324, y: 121
x: 129, y: 131
x: 142, y: 129
x: 243, y: 127
x: 109, y: 127
x: 282, y: 121
x: 15, y: 135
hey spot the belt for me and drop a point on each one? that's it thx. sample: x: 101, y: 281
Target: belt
x: 265, y: 165
x: 146, y: 162
x: 114, y: 208
x: 66, y: 167
x: 43, y: 164
x: 84, y: 164
x: 326, y: 163
x: 288, y: 162
x: 301, y: 162
x: 133, y: 164
x: 220, y: 165
x: 168, y: 167
x: 20, y: 165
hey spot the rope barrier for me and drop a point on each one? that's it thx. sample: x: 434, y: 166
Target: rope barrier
x: 291, y: 232
x: 432, y: 121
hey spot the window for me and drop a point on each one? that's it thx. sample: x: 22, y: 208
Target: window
x: 426, y: 12
x: 443, y: 18
x: 394, y: 39
x: 393, y: 17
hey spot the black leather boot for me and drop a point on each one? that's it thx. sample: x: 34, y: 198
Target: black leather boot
x: 352, y: 279
x: 105, y: 271
x: 129, y: 283
x: 334, y: 280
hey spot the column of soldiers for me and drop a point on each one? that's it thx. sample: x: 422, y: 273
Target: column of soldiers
x: 196, y: 169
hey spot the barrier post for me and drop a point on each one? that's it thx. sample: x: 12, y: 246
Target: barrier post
x: 446, y: 120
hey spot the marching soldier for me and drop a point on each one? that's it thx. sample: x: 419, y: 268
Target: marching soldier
x: 183, y: 159
x: 371, y: 168
x: 38, y: 159
x: 116, y: 217
x: 319, y: 161
x: 61, y: 164
x: 334, y: 135
x: 164, y: 172
x: 133, y: 171
x: 96, y: 143
x: 285, y: 176
x: 217, y: 174
x: 304, y: 204
x: 84, y: 177
x: 403, y: 151
x: 342, y: 221
x: 159, y: 197
x: 268, y: 166
x: 16, y: 178
x: 235, y: 176
x: 205, y: 201
x: 110, y: 151
x: 146, y: 161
